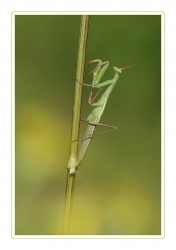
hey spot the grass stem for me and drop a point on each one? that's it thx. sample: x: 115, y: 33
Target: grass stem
x: 70, y: 181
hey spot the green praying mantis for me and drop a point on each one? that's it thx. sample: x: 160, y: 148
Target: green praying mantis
x: 95, y: 116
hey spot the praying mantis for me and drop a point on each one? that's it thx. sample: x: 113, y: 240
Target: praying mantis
x: 95, y: 116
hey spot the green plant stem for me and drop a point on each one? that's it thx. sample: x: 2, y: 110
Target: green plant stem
x: 70, y: 181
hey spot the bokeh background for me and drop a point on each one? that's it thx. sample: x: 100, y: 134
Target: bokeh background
x: 118, y: 186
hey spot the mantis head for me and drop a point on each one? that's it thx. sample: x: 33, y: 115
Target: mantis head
x: 119, y: 70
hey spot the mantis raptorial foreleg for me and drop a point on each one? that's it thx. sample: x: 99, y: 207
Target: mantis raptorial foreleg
x: 98, y: 73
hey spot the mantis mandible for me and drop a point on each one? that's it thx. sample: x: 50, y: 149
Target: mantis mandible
x: 95, y: 116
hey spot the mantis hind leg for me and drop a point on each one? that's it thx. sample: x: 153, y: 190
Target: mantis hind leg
x: 90, y: 135
x: 97, y: 124
x: 101, y: 125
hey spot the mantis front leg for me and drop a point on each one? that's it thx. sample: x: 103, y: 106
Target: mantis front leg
x: 98, y: 73
x: 90, y: 100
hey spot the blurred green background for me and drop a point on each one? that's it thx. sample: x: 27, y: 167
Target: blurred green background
x: 118, y: 186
